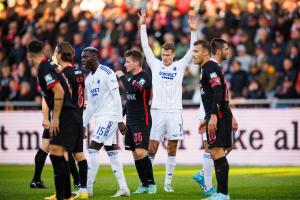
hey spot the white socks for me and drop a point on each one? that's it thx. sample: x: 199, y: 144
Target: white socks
x: 117, y: 168
x: 170, y: 168
x: 93, y: 166
x: 208, y: 166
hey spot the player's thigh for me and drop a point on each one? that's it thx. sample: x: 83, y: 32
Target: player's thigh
x: 129, y: 143
x: 223, y: 134
x: 159, y: 123
x: 66, y: 136
x: 105, y: 132
x: 141, y: 136
x: 175, y: 126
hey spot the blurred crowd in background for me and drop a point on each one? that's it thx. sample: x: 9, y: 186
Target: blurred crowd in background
x: 264, y: 38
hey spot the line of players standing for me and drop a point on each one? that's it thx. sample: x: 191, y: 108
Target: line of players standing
x: 63, y: 91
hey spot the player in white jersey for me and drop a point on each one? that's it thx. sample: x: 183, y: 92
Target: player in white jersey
x: 220, y: 51
x: 104, y: 102
x: 166, y: 108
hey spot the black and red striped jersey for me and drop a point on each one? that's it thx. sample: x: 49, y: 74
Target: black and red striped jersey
x: 213, y: 89
x: 138, y: 92
x: 75, y: 78
x: 48, y: 76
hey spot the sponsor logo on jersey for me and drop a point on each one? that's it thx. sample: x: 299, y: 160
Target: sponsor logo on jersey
x: 213, y: 75
x: 49, y: 79
x: 131, y: 97
x: 168, y: 75
x: 95, y: 91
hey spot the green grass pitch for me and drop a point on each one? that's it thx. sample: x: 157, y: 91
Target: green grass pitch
x: 245, y: 183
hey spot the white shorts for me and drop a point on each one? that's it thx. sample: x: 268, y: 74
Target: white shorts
x: 167, y: 125
x: 105, y: 132
x: 204, y: 137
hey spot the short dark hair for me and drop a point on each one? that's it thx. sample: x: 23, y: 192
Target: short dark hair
x: 66, y: 51
x: 92, y: 50
x: 135, y: 55
x: 204, y: 44
x: 217, y: 43
x: 169, y: 46
x: 35, y: 46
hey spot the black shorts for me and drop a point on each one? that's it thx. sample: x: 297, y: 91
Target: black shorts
x: 137, y: 137
x: 70, y: 134
x: 223, y: 133
x: 46, y: 134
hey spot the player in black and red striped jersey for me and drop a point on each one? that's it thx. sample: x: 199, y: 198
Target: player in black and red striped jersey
x: 64, y: 117
x: 218, y: 115
x: 138, y: 118
x: 64, y: 54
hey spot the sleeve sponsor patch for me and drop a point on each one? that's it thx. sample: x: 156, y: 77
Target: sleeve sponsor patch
x: 49, y: 79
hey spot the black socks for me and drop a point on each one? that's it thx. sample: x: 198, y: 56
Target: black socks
x: 83, y: 167
x: 222, y: 170
x: 145, y: 171
x: 59, y: 168
x: 73, y: 169
x: 39, y: 160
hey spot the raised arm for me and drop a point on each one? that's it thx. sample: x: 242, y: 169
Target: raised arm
x: 151, y: 59
x: 193, y: 23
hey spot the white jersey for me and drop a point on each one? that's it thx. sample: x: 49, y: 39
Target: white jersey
x: 166, y: 80
x: 103, y: 96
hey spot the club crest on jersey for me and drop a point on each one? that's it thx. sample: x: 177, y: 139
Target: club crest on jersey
x: 49, y: 79
x: 168, y: 75
x: 142, y: 81
x: 213, y: 75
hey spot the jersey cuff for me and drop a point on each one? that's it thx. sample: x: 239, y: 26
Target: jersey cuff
x: 52, y: 84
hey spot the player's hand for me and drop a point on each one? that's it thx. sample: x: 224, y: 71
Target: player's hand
x: 235, y: 125
x: 212, y: 127
x: 54, y: 127
x: 119, y: 73
x: 122, y: 127
x: 84, y: 136
x: 202, y: 127
x: 193, y: 22
x: 142, y: 16
x: 46, y: 123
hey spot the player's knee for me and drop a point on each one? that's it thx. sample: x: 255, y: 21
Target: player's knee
x: 152, y: 149
x: 56, y: 150
x: 110, y: 148
x: 79, y: 156
x: 95, y: 145
x: 140, y: 153
x: 217, y: 153
x: 172, y: 148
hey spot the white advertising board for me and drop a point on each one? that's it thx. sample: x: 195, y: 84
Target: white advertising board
x: 265, y: 137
